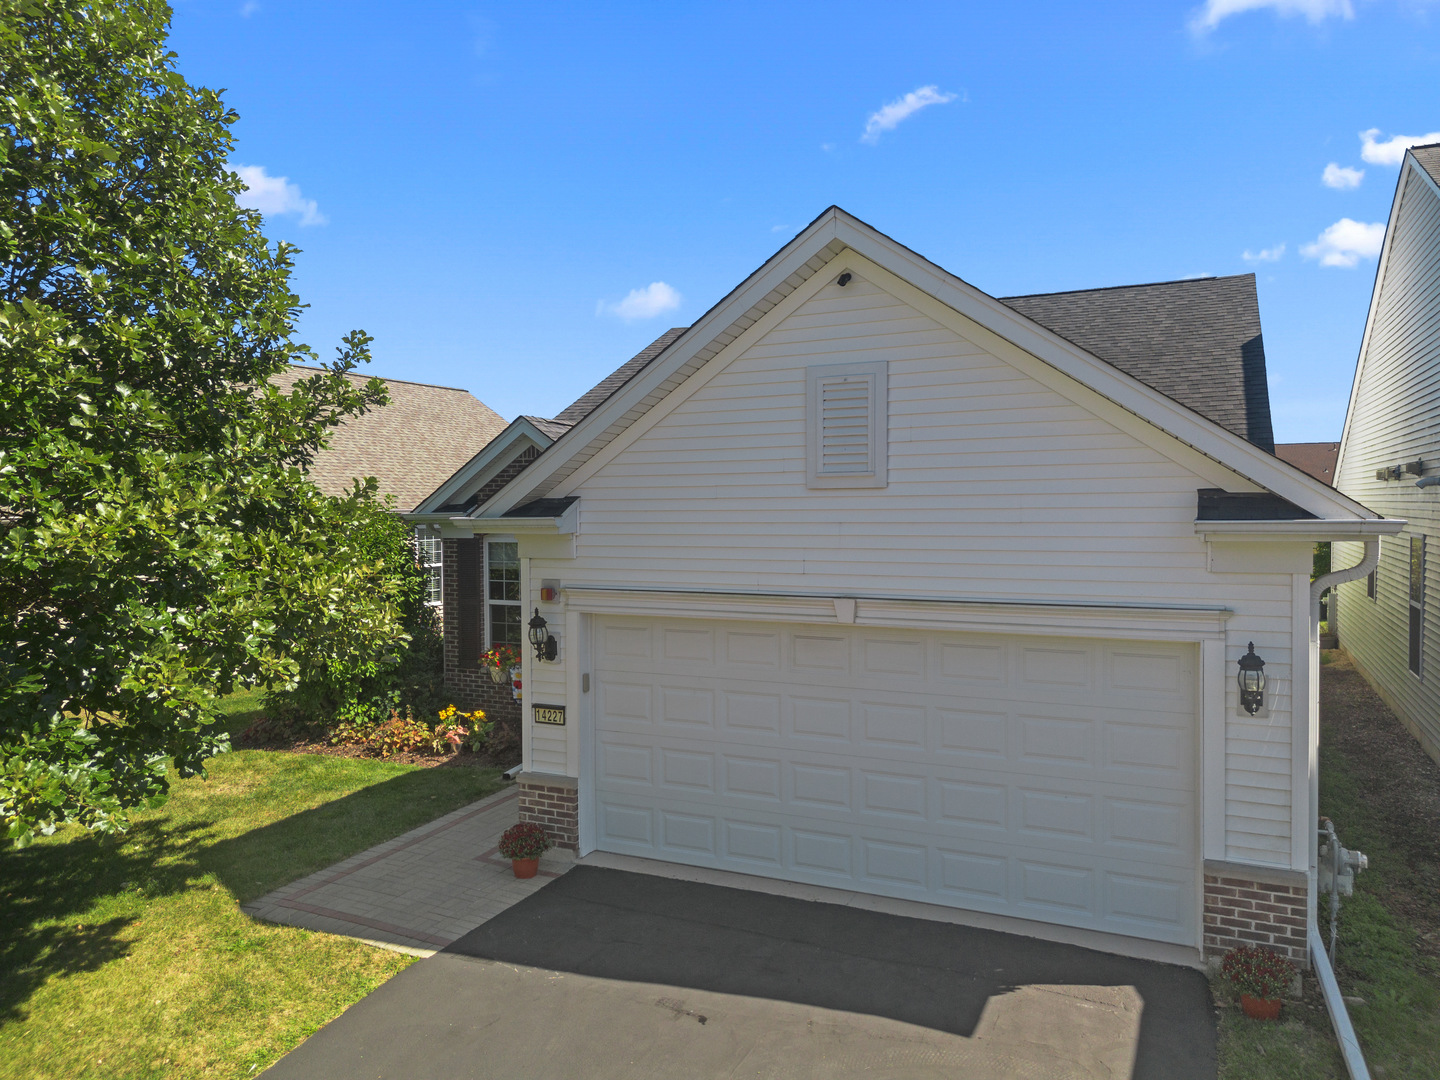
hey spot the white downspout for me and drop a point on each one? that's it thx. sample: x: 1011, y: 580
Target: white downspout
x: 1334, y: 1003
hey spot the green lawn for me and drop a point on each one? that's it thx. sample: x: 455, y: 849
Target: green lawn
x: 1384, y: 795
x: 129, y: 957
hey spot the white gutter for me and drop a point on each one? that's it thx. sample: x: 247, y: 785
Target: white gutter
x: 1334, y: 1002
x: 1335, y: 1006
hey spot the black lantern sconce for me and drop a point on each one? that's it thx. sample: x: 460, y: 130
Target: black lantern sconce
x: 546, y: 646
x: 1252, y: 681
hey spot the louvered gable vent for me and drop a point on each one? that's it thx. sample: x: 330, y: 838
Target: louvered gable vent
x: 846, y: 425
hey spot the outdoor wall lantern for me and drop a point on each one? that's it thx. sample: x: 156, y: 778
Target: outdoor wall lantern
x: 1252, y: 681
x: 546, y: 647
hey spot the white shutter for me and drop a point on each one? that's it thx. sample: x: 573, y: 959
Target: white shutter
x: 846, y: 425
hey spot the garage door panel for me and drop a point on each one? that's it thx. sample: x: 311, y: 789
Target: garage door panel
x: 687, y: 770
x: 748, y: 714
x: 752, y: 778
x: 1051, y: 667
x: 1044, y: 779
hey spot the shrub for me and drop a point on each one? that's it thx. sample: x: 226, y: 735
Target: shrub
x: 1257, y: 972
x: 523, y: 841
x: 368, y: 690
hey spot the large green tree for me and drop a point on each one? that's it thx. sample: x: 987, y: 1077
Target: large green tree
x: 161, y: 546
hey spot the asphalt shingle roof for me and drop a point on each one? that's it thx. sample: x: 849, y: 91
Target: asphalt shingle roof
x: 1429, y: 158
x: 591, y: 399
x: 1197, y: 341
x: 1316, y: 458
x: 411, y: 446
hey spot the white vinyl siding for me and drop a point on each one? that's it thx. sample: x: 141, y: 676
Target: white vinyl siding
x: 1395, y: 418
x: 845, y: 421
x: 998, y: 488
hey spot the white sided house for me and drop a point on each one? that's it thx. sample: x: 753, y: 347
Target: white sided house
x: 870, y: 580
x: 1390, y: 459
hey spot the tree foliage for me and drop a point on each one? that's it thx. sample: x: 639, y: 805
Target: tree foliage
x: 161, y: 546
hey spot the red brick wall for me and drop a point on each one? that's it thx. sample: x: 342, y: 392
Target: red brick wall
x: 553, y: 803
x: 504, y: 476
x: 1240, y: 910
x: 470, y: 685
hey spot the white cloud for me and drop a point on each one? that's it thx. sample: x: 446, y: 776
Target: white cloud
x: 1270, y: 254
x: 889, y: 116
x: 1215, y: 11
x: 643, y: 303
x: 250, y: 7
x: 1392, y: 150
x: 275, y: 195
x: 1346, y: 242
x: 1341, y: 178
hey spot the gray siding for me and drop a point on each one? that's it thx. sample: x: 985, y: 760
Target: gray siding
x: 1394, y: 418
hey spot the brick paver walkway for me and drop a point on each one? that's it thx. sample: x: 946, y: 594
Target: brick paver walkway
x: 418, y: 892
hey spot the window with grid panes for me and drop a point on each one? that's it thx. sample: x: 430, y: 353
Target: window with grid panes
x: 502, y: 592
x: 428, y: 553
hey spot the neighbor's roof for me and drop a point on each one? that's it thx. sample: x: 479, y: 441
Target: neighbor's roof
x: 411, y: 445
x: 1315, y: 458
x: 1197, y: 341
x: 1428, y: 157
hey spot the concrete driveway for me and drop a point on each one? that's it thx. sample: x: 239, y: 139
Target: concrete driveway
x: 605, y: 973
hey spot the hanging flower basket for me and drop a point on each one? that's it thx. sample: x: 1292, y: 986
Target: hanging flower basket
x: 500, y: 662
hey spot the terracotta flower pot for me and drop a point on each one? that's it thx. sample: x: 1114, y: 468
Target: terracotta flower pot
x: 529, y: 867
x: 1260, y: 1008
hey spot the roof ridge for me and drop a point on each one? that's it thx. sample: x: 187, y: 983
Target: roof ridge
x: 1138, y: 285
x: 385, y: 378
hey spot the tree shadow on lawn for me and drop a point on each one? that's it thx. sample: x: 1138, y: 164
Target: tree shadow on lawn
x: 50, y: 889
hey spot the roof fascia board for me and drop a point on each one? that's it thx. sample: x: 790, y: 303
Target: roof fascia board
x: 714, y: 366
x: 1409, y: 167
x: 751, y: 291
x: 1308, y: 529
x: 1209, y: 438
x: 1214, y: 473
x: 1054, y: 378
x: 489, y: 460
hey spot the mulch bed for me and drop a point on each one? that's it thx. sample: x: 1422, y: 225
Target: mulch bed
x: 1398, y: 781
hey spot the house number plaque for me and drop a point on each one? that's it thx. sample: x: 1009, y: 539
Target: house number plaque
x: 550, y: 714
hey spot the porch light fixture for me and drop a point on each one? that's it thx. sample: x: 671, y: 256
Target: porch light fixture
x: 545, y: 646
x: 1252, y: 681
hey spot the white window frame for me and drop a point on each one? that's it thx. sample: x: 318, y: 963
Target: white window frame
x: 428, y: 547
x: 874, y: 377
x: 487, y: 602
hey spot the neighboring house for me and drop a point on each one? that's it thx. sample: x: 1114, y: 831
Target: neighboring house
x: 410, y: 445
x: 1316, y: 458
x: 873, y: 581
x: 1390, y: 459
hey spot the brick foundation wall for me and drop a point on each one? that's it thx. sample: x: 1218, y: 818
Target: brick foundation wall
x: 470, y: 685
x: 553, y: 803
x: 1249, y: 906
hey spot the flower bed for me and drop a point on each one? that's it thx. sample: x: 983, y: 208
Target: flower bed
x: 454, y: 737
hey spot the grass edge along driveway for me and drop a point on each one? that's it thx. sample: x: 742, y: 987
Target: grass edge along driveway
x: 128, y: 957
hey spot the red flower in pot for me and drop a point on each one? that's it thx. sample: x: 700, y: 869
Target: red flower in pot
x: 523, y: 844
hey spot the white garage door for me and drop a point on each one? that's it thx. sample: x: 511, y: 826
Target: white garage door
x: 1048, y: 779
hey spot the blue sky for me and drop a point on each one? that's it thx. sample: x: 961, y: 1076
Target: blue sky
x: 516, y: 198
